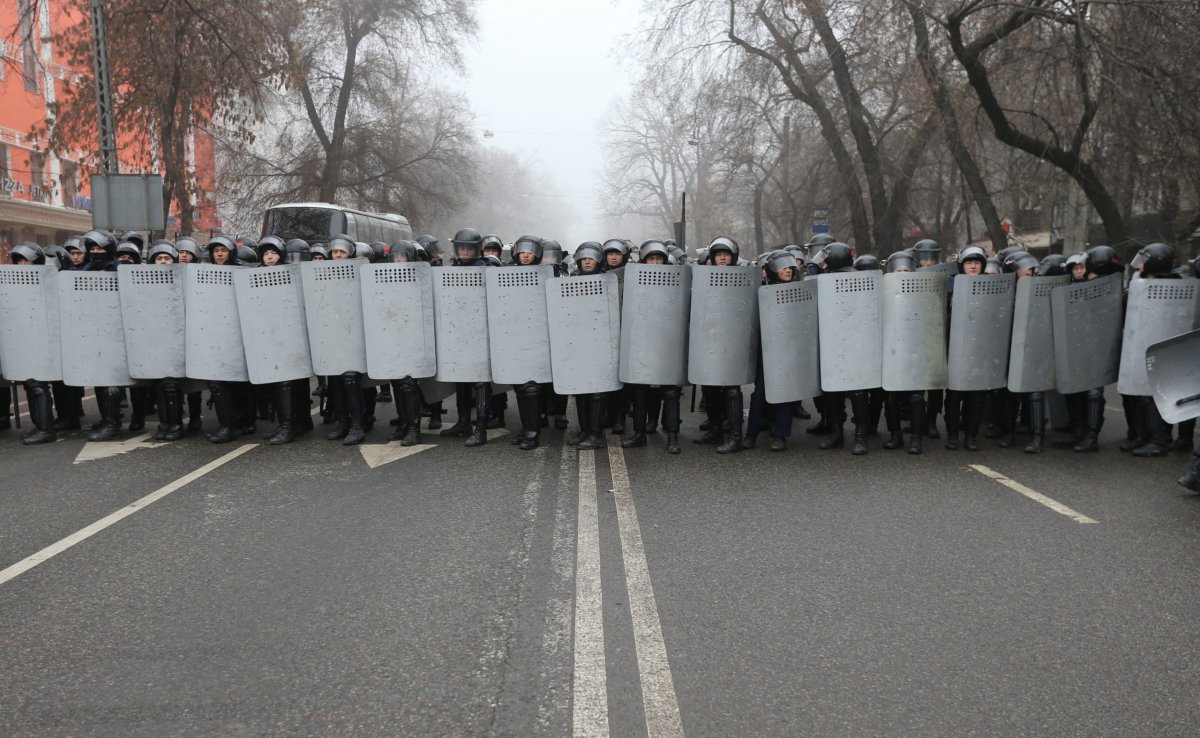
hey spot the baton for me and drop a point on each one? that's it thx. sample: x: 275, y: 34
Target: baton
x: 1178, y: 403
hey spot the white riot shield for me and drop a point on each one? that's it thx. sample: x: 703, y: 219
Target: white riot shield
x: 518, y: 325
x: 787, y: 317
x: 29, y: 324
x: 270, y: 304
x: 914, y: 331
x: 723, y: 330
x: 460, y: 322
x: 397, y: 305
x: 585, y: 335
x: 1087, y: 334
x: 152, y: 311
x: 654, y: 324
x: 1155, y: 310
x: 212, y: 330
x: 1031, y: 354
x: 851, y: 331
x: 334, y: 316
x: 981, y: 321
x: 1171, y: 367
x: 93, y: 341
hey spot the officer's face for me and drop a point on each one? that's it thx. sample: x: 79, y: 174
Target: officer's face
x: 220, y: 255
x: 613, y: 258
x: 17, y: 259
x: 1027, y: 272
x: 269, y: 257
x: 97, y: 250
x: 928, y: 261
x: 901, y: 270
x: 399, y: 259
x: 723, y: 258
x: 493, y: 251
x: 77, y: 256
x: 588, y: 264
x: 318, y: 257
x: 125, y: 258
x: 186, y: 257
x: 337, y: 254
x: 163, y: 259
x: 525, y: 258
x: 1077, y: 271
x: 972, y: 267
x: 656, y: 259
x: 464, y: 252
x: 787, y: 274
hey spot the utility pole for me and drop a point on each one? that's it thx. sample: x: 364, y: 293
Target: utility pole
x: 104, y: 102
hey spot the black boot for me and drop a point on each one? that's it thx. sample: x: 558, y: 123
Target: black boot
x: 800, y: 412
x: 352, y: 394
x: 479, y: 436
x: 732, y: 401
x: 591, y: 421
x: 1037, y: 422
x: 640, y: 410
x: 410, y: 400
x: 653, y: 410
x: 41, y: 413
x: 1136, y: 435
x: 917, y: 408
x: 285, y: 408
x: 714, y: 418
x: 335, y: 402
x: 1095, y: 421
x: 529, y: 407
x: 435, y: 415
x: 109, y: 401
x: 670, y: 418
x: 1191, y: 480
x: 463, y: 401
x: 137, y: 415
x: 1187, y: 436
x: 891, y: 416
x: 975, y: 405
x: 859, y: 403
x: 195, y: 420
x: 170, y: 409
x: 835, y: 439
x: 160, y: 433
x: 952, y: 410
x: 223, y: 404
x: 1158, y: 441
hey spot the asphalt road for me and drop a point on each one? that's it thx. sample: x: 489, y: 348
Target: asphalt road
x: 299, y: 591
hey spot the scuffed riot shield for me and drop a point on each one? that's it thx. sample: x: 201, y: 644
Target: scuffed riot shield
x: 654, y: 324
x: 93, y: 341
x: 851, y: 331
x: 1031, y: 355
x: 29, y: 324
x: 460, y: 321
x: 981, y: 321
x: 949, y: 268
x: 152, y: 310
x: 723, y: 330
x: 334, y: 316
x: 397, y: 305
x: 1156, y: 310
x: 914, y: 331
x: 1087, y: 334
x: 435, y: 391
x: 518, y: 324
x: 212, y: 330
x: 270, y: 303
x: 1171, y: 367
x: 585, y: 335
x: 787, y: 316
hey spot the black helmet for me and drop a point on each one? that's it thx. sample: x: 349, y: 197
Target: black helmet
x: 318, y: 249
x: 552, y: 252
x: 248, y: 242
x: 1079, y: 257
x: 137, y: 238
x: 429, y: 243
x: 1196, y: 267
x: 835, y: 257
x: 867, y: 263
x: 247, y: 255
x: 74, y: 243
x: 379, y: 252
x: 188, y: 244
x: 468, y: 238
x: 654, y: 247
x: 341, y: 242
x: 777, y: 261
x: 993, y: 265
x: 363, y: 251
x: 131, y: 250
x: 1053, y: 265
x: 296, y: 251
x: 29, y: 252
x: 1019, y: 260
x: 674, y: 250
x: 819, y: 241
x: 1103, y: 261
x: 57, y: 256
x: 422, y: 254
x: 1154, y: 260
x: 403, y: 252
x: 527, y: 245
x: 589, y: 250
x: 927, y: 250
x: 162, y: 246
x: 972, y: 252
x: 1006, y: 252
x: 271, y: 243
x: 901, y: 261
x: 492, y: 241
x: 616, y: 246
x: 100, y: 239
x: 723, y: 243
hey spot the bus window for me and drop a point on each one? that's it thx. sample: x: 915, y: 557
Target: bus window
x: 310, y: 224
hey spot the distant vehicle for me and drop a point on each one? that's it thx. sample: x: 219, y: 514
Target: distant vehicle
x: 318, y: 221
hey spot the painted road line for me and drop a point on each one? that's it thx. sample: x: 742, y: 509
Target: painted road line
x: 658, y: 688
x: 55, y: 549
x: 554, y: 704
x: 1034, y: 495
x: 589, y: 713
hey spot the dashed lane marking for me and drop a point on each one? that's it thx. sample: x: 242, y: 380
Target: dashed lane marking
x: 1034, y: 495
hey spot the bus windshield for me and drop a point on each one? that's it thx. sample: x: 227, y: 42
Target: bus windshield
x: 310, y: 224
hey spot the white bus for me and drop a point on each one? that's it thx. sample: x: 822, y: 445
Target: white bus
x: 317, y: 222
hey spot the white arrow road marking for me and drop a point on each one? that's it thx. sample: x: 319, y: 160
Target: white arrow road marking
x: 378, y: 454
x: 93, y: 450
x: 55, y: 549
x: 1034, y: 495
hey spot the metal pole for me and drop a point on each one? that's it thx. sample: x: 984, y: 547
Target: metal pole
x: 104, y: 103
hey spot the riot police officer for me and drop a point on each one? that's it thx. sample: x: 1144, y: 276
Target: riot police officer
x: 780, y: 267
x: 556, y: 404
x: 1153, y: 261
x: 902, y: 262
x: 964, y: 409
x: 645, y: 408
x: 74, y: 247
x: 406, y: 391
x: 468, y: 251
x: 102, y: 257
x: 527, y: 251
x: 168, y: 390
x: 723, y: 405
x: 233, y: 401
x: 1025, y: 265
x: 347, y: 398
x: 41, y: 411
x: 589, y: 260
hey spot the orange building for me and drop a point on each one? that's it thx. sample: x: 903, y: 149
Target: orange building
x: 46, y: 197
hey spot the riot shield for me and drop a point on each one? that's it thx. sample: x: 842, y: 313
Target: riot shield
x: 914, y: 331
x: 270, y: 303
x: 654, y: 324
x: 334, y: 316
x: 1155, y: 310
x: 1031, y: 355
x: 212, y: 331
x: 518, y: 325
x: 723, y: 330
x: 460, y: 323
x: 29, y: 323
x: 949, y: 268
x: 152, y: 311
x: 1171, y: 368
x: 1087, y: 334
x: 585, y: 335
x: 787, y: 317
x: 981, y: 321
x: 93, y: 341
x: 850, y: 331
x: 397, y: 306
